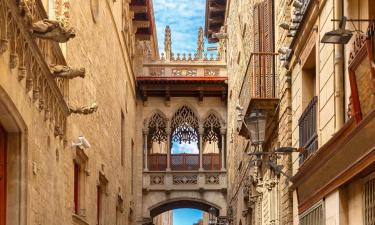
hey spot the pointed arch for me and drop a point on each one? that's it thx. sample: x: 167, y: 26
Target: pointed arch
x: 184, y: 125
x: 151, y: 114
x: 217, y: 114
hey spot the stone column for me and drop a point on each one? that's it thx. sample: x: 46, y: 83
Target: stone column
x: 223, y: 131
x: 145, y: 134
x: 200, y: 131
x: 168, y: 131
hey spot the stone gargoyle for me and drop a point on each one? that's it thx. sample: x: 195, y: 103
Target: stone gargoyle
x: 52, y: 30
x: 66, y: 72
x: 85, y: 110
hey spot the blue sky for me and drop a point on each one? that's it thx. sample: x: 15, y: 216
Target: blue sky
x: 186, y: 216
x: 191, y: 148
x: 184, y: 17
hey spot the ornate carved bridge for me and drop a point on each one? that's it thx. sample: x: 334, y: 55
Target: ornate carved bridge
x: 184, y: 132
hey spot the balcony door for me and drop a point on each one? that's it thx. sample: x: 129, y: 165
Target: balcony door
x: 2, y: 176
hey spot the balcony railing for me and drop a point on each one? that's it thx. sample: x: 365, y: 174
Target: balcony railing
x: 308, y: 137
x: 31, y: 58
x: 260, y: 81
x: 211, y: 161
x: 185, y: 161
x: 157, y: 162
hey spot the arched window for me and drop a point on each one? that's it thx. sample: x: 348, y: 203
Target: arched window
x: 185, y: 137
x: 185, y: 140
x: 211, y: 143
x: 157, y: 142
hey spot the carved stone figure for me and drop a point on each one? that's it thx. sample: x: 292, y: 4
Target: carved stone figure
x: 66, y: 72
x: 85, y: 110
x: 4, y: 46
x: 13, y: 60
x: 52, y: 30
x: 200, y: 47
x: 168, y: 43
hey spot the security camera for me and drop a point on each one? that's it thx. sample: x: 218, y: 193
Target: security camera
x: 82, y: 143
x: 297, y: 4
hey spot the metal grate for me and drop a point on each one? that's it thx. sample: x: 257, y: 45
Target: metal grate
x: 308, y: 137
x: 185, y: 161
x: 315, y: 216
x: 157, y: 162
x: 211, y: 161
x: 369, y: 202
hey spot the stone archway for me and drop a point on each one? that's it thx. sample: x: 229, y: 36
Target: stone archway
x: 182, y: 203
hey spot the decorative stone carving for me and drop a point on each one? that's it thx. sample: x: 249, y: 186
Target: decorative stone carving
x: 211, y: 72
x: 168, y: 43
x: 157, y: 179
x: 200, y: 47
x: 13, y: 60
x: 212, y: 179
x: 85, y: 110
x: 185, y: 179
x: 60, y: 71
x: 4, y: 46
x: 21, y: 73
x: 52, y: 30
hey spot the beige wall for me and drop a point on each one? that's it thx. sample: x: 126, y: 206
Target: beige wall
x: 49, y: 160
x: 164, y: 218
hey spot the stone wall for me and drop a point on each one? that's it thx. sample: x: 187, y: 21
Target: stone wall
x: 47, y: 166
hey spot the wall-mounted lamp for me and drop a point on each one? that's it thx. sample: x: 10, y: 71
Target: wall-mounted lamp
x: 338, y: 36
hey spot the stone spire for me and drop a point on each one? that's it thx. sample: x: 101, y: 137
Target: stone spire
x: 167, y: 43
x: 200, y: 47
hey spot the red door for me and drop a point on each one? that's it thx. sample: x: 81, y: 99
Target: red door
x: 2, y: 176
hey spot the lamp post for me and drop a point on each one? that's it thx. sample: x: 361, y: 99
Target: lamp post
x: 212, y: 217
x: 256, y: 126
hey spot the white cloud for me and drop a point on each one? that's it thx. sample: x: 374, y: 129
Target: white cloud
x: 184, y: 17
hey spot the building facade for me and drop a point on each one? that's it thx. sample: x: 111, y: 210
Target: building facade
x: 317, y: 141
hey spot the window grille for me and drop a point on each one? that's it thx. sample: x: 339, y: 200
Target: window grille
x: 314, y: 216
x: 369, y: 201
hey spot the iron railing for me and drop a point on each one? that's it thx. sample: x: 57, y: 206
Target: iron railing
x: 308, y: 137
x: 157, y: 162
x: 260, y: 79
x: 211, y: 161
x: 185, y: 161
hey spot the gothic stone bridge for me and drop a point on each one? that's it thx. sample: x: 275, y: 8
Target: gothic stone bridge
x: 184, y: 108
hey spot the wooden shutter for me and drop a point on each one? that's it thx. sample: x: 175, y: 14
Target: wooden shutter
x: 267, y: 78
x: 257, y: 48
x: 2, y: 176
x: 315, y: 216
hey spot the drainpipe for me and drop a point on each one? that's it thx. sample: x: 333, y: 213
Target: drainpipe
x: 339, y: 71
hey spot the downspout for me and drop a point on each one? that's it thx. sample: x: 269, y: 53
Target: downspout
x: 339, y: 71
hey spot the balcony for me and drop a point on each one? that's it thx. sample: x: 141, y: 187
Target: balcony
x: 259, y: 87
x: 184, y: 162
x: 30, y: 59
x: 308, y: 137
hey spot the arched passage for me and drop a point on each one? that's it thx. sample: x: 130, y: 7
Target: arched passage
x: 182, y: 203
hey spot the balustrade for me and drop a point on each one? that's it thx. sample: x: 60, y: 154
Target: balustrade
x: 211, y: 161
x: 184, y: 161
x: 32, y: 57
x: 260, y: 81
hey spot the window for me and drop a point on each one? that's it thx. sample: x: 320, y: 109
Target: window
x: 122, y: 156
x: 119, y: 210
x: 314, y: 216
x: 368, y: 200
x: 79, y: 164
x: 308, y: 137
x: 132, y: 167
x: 76, y: 187
x: 101, y: 190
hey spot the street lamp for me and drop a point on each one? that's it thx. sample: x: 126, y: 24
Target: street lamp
x: 338, y: 36
x: 256, y: 126
x: 212, y: 217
